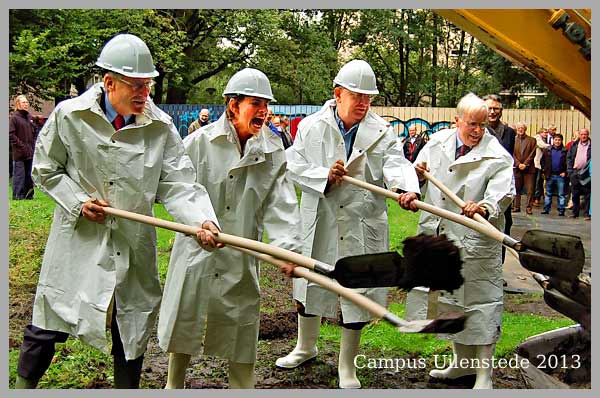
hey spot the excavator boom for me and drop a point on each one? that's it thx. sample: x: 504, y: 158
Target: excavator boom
x: 553, y: 45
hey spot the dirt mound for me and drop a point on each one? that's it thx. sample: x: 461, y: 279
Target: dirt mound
x: 278, y: 325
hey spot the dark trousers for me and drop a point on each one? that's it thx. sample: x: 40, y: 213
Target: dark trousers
x: 508, y: 222
x: 539, y: 185
x: 577, y: 191
x: 38, y: 349
x: 527, y: 180
x: 22, y: 184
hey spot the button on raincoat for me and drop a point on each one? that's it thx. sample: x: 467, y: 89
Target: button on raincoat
x: 216, y: 294
x: 79, y: 155
x: 485, y: 176
x: 347, y: 220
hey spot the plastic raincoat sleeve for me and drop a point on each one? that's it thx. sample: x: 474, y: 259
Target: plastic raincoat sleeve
x: 499, y: 192
x: 309, y: 177
x: 185, y: 199
x: 49, y: 171
x: 398, y: 173
x: 281, y: 216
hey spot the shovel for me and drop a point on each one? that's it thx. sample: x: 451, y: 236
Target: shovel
x: 549, y: 253
x: 433, y: 261
x: 449, y: 323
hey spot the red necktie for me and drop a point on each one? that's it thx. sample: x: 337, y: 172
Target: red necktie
x: 463, y: 150
x: 119, y: 122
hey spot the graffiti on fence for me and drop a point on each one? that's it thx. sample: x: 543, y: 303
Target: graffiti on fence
x: 184, y: 114
x: 401, y: 126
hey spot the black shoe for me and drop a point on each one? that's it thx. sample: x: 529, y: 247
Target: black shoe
x: 561, y: 213
x: 516, y: 210
x: 545, y: 212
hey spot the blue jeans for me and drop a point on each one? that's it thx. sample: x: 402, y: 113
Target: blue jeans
x: 559, y: 182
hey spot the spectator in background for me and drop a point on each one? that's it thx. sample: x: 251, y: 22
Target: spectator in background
x: 22, y: 135
x: 554, y: 164
x: 568, y: 183
x: 203, y: 120
x: 524, y: 168
x: 294, y: 126
x: 274, y: 123
x: 551, y: 132
x: 578, y: 159
x: 412, y: 144
x: 541, y: 144
x: 506, y: 136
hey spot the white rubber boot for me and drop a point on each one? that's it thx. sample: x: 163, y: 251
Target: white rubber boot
x: 484, y: 353
x: 348, y: 350
x: 306, y: 346
x: 455, y: 370
x: 241, y: 375
x: 178, y: 364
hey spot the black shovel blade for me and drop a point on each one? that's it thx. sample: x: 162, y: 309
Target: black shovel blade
x: 553, y: 254
x: 430, y: 261
x: 370, y: 270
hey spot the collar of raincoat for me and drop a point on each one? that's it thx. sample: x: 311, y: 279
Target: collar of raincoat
x: 91, y: 100
x: 489, y: 147
x: 266, y: 140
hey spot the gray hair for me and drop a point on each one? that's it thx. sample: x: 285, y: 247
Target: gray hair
x: 470, y: 103
x: 493, y: 97
x: 521, y: 124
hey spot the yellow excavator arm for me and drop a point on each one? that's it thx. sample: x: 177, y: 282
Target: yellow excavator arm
x: 554, y: 45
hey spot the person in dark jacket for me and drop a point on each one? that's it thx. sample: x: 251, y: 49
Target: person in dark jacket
x: 554, y: 167
x: 412, y: 144
x: 506, y: 135
x: 578, y: 159
x: 22, y: 135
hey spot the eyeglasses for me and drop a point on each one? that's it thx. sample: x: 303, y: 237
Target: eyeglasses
x: 362, y: 97
x: 137, y: 86
x: 474, y: 125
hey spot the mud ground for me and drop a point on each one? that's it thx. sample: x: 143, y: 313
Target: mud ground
x: 277, y: 338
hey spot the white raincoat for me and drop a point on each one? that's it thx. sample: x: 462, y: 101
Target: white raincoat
x: 79, y: 155
x: 485, y: 176
x: 217, y: 293
x: 347, y: 220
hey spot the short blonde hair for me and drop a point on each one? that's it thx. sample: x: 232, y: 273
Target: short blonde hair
x: 19, y: 98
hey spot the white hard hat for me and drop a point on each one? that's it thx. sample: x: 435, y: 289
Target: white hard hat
x: 250, y: 82
x: 357, y: 76
x: 127, y: 55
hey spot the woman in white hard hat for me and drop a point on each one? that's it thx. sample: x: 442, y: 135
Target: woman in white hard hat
x: 241, y: 162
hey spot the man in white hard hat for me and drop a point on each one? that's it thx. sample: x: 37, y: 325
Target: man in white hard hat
x: 211, y: 301
x: 110, y: 146
x: 344, y: 137
x: 475, y: 165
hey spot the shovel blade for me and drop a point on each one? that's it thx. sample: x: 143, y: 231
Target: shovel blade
x: 446, y: 323
x: 370, y: 270
x: 429, y: 261
x: 560, y: 268
x: 556, y: 244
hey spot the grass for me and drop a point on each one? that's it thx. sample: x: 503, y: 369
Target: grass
x: 383, y: 337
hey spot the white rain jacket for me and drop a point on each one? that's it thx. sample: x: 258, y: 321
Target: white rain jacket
x: 485, y: 176
x: 217, y: 293
x: 347, y: 220
x: 79, y: 155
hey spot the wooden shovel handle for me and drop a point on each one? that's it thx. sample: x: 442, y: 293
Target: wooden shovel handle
x: 492, y: 233
x: 329, y: 284
x: 460, y: 203
x: 270, y: 254
x: 224, y: 238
